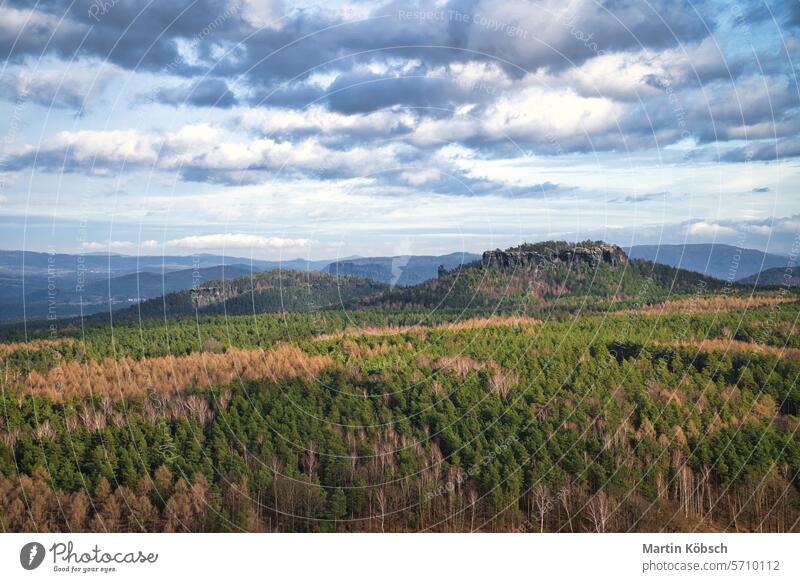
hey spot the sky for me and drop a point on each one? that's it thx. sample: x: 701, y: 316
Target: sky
x: 278, y: 129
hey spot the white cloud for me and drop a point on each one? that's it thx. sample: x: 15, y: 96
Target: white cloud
x: 112, y: 245
x: 71, y: 88
x: 788, y: 225
x: 533, y: 115
x: 704, y: 228
x: 99, y: 147
x: 316, y: 119
x: 237, y: 241
x: 194, y: 135
x: 420, y: 177
x: 616, y: 75
x: 208, y: 242
x: 201, y: 149
x: 263, y: 13
x: 757, y: 229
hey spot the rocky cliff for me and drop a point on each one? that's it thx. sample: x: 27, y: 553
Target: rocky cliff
x: 593, y: 253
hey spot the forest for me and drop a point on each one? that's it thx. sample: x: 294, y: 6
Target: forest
x: 549, y: 388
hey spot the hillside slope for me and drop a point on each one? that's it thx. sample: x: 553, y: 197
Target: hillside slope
x: 91, y: 283
x: 530, y: 273
x: 269, y: 291
x: 777, y: 276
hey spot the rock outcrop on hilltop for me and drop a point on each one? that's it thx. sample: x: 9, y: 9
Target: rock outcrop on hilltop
x: 212, y: 294
x: 593, y: 253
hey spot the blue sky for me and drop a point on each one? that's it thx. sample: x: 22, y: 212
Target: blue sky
x: 285, y: 129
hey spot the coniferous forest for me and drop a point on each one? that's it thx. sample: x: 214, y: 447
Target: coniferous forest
x: 546, y: 388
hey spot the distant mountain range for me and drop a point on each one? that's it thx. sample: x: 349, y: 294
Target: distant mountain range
x: 103, y: 281
x: 74, y: 284
x: 91, y: 283
x: 519, y: 278
x: 720, y: 261
x: 102, y: 265
x: 401, y: 270
x: 114, y: 292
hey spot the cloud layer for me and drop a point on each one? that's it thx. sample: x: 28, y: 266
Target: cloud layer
x: 492, y: 99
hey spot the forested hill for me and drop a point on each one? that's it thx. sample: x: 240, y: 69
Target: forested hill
x: 775, y: 277
x: 527, y: 277
x: 681, y: 416
x: 533, y: 273
x: 269, y: 291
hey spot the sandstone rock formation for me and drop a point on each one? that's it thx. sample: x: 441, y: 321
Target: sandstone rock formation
x: 593, y: 253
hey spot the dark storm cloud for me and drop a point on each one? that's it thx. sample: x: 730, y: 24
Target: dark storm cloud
x: 362, y: 93
x: 521, y: 37
x: 625, y: 24
x: 205, y: 93
x: 297, y: 95
x: 750, y: 101
x: 753, y: 108
x: 405, y: 57
x: 781, y: 11
x: 24, y: 34
x: 140, y: 34
x: 132, y: 34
